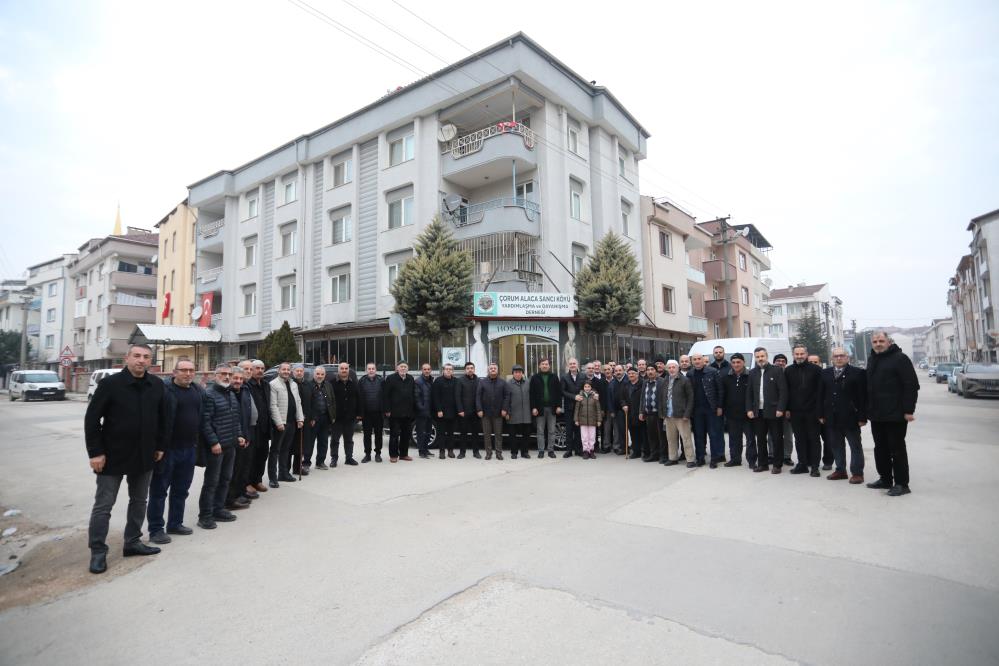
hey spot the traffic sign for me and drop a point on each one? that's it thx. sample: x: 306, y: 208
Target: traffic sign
x: 66, y: 362
x: 67, y: 353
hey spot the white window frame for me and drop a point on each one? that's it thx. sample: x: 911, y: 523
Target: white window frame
x: 626, y: 208
x: 407, y: 147
x: 288, y: 293
x: 289, y: 231
x: 100, y: 302
x: 756, y: 268
x: 52, y: 288
x: 393, y: 275
x: 50, y: 315
x: 339, y: 278
x: 291, y: 191
x: 747, y: 329
x: 346, y: 224
x: 572, y: 140
x: 50, y: 341
x: 666, y: 249
x: 742, y: 261
x: 757, y: 300
x: 250, y: 251
x: 575, y: 199
x: 346, y: 167
x: 251, y: 207
x: 405, y: 207
x: 668, y: 290
x: 744, y: 295
x: 251, y: 291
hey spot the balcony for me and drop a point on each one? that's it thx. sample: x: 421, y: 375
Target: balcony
x: 132, y: 281
x: 209, y: 279
x: 506, y: 214
x: 505, y: 262
x: 79, y: 323
x: 715, y: 309
x: 694, y: 275
x: 78, y: 352
x: 488, y: 154
x: 714, y: 270
x: 118, y: 313
x: 697, y: 324
x: 81, y: 292
x: 209, y: 228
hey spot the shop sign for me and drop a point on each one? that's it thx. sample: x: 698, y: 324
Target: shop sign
x: 542, y: 329
x: 523, y: 304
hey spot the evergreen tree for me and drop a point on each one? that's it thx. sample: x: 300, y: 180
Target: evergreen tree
x: 809, y: 333
x: 609, y: 287
x: 10, y: 347
x: 279, y: 347
x: 433, y: 291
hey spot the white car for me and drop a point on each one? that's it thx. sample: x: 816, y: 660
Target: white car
x: 96, y: 378
x: 28, y: 384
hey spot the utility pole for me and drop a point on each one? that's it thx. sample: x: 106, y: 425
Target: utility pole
x: 25, y: 308
x: 725, y: 240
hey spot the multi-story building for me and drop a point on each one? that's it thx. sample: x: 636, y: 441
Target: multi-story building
x: 966, y: 312
x: 737, y: 257
x: 527, y: 162
x: 176, y: 267
x: 48, y: 280
x: 789, y: 305
x: 114, y: 288
x: 985, y: 235
x: 675, y: 284
x: 16, y: 297
x: 940, y: 342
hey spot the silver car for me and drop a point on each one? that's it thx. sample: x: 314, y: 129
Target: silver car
x: 977, y: 379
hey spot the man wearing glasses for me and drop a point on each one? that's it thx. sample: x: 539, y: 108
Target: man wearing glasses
x: 222, y: 432
x: 843, y: 412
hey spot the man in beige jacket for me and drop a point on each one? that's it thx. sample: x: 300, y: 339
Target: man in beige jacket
x: 285, y: 406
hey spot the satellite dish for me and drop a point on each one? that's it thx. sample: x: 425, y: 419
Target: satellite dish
x: 153, y: 260
x: 196, y: 313
x: 447, y: 132
x: 106, y: 343
x: 452, y: 203
x: 397, y: 325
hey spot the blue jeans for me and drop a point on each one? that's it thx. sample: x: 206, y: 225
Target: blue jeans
x: 173, y: 474
x: 838, y: 436
x: 706, y: 424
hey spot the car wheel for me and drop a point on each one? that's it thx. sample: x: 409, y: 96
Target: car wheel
x: 12, y: 398
x: 966, y: 395
x: 560, y: 436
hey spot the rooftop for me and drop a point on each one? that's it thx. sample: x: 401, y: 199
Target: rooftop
x: 982, y: 218
x: 799, y: 291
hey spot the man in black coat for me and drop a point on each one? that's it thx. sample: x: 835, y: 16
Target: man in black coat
x: 766, y: 402
x: 732, y: 401
x: 707, y: 423
x: 424, y: 420
x: 125, y: 429
x: 260, y: 389
x: 369, y: 389
x: 599, y: 385
x: 655, y: 435
x: 318, y: 408
x: 546, y: 405
x: 444, y: 405
x: 238, y: 497
x: 892, y: 390
x: 221, y: 433
x: 803, y: 380
x: 572, y: 384
x: 629, y: 400
x: 345, y: 411
x: 843, y: 412
x: 468, y: 425
x: 399, y: 406
x: 718, y: 361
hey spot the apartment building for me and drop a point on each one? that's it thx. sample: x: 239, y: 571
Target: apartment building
x: 789, y: 304
x: 114, y: 288
x: 675, y: 284
x: 49, y: 283
x: 15, y: 295
x: 985, y: 235
x: 177, y: 276
x: 529, y: 163
x: 738, y: 257
x: 940, y: 346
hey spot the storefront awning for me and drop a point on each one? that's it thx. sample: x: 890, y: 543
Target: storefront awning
x: 162, y: 334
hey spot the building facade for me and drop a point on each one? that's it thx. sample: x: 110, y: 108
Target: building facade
x: 48, y: 281
x: 940, y: 343
x: 177, y: 276
x: 527, y: 162
x: 985, y: 235
x: 114, y: 288
x: 788, y: 305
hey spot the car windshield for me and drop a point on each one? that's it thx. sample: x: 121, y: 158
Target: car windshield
x: 977, y: 367
x: 41, y: 377
x: 947, y: 366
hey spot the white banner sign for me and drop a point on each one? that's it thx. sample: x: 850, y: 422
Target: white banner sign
x: 523, y: 304
x: 543, y: 329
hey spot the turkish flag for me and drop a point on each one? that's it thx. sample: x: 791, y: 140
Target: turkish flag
x: 206, y: 309
x: 166, y: 307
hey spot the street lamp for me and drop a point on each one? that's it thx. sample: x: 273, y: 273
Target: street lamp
x: 26, y: 298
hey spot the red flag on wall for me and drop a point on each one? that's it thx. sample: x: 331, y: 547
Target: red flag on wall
x: 166, y: 307
x: 206, y: 309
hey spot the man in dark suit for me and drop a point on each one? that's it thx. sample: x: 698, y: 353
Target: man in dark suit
x: 347, y: 411
x: 399, y: 407
x: 892, y: 391
x: 572, y: 384
x: 649, y: 414
x: 843, y: 412
x: 803, y: 410
x: 732, y: 403
x: 629, y: 399
x: 766, y: 402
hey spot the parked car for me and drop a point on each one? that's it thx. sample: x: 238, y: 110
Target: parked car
x: 43, y: 384
x: 952, y: 383
x: 932, y: 372
x: 977, y: 379
x: 273, y: 372
x: 745, y: 346
x: 95, y: 379
x: 943, y: 370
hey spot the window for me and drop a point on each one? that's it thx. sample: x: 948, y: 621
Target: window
x: 194, y: 269
x: 100, y: 334
x: 290, y: 188
x: 757, y: 301
x: 526, y: 190
x: 742, y: 261
x: 251, y: 207
x: 622, y: 158
x: 666, y: 245
x: 90, y: 277
x: 747, y: 330
x: 572, y: 136
x: 777, y: 330
x: 575, y: 199
x: 343, y: 172
x: 578, y: 257
x: 744, y: 295
x: 669, y: 305
x: 756, y: 268
x: 100, y: 271
x: 50, y: 315
x: 173, y: 246
x: 250, y: 251
x: 393, y: 273
x: 625, y: 217
x: 793, y: 309
x: 173, y: 281
x: 89, y: 332
x: 402, y: 150
x: 288, y: 234
x: 52, y: 288
x: 288, y: 292
x: 340, y: 226
x: 100, y: 302
x: 49, y: 341
x: 717, y: 331
x: 401, y: 212
x: 339, y: 284
x: 249, y: 300
x: 776, y: 309
x: 165, y: 246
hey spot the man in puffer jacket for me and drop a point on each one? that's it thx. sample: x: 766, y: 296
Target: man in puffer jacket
x: 892, y: 391
x: 222, y: 432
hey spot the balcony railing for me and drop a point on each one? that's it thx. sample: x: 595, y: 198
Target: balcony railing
x: 697, y: 324
x: 472, y: 143
x: 474, y: 213
x: 211, y: 228
x: 209, y: 274
x: 695, y: 275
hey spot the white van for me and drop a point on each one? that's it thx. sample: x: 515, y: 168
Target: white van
x: 744, y: 346
x: 28, y: 384
x: 96, y: 378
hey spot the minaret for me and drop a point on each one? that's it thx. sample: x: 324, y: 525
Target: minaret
x: 117, y: 222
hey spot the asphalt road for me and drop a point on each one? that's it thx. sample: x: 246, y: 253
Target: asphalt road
x: 540, y: 561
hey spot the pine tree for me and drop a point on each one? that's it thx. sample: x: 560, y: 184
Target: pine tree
x: 433, y: 291
x: 10, y: 347
x: 809, y: 333
x: 279, y: 347
x: 609, y: 287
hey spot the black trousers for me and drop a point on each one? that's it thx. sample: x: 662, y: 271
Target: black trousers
x: 806, y: 438
x: 890, y: 455
x: 400, y: 434
x: 654, y: 436
x: 261, y: 446
x: 317, y: 439
x: 739, y: 429
x: 758, y: 451
x: 342, y: 429
x: 104, y: 499
x: 240, y: 472
x: 573, y: 442
x: 520, y: 437
x: 215, y: 487
x: 279, y: 458
x: 828, y: 450
x: 636, y: 431
x: 469, y: 429
x: 445, y: 433
x: 373, y: 424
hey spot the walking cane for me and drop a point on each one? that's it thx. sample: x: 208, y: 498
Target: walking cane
x: 626, y: 433
x: 301, y: 454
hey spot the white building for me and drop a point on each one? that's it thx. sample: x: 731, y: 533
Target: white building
x: 940, y: 342
x: 49, y: 282
x: 529, y: 164
x: 787, y: 306
x: 985, y: 235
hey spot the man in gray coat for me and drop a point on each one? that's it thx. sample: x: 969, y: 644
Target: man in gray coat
x: 222, y: 432
x: 286, y: 412
x: 676, y: 406
x: 492, y: 404
x: 520, y: 413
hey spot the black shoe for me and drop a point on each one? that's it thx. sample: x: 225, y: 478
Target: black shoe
x: 366, y: 458
x: 98, y: 563
x: 160, y: 538
x: 139, y: 548
x: 713, y: 465
x: 378, y: 458
x: 350, y: 461
x: 670, y: 463
x: 423, y: 454
x: 272, y: 484
x: 321, y: 466
x: 691, y: 465
x: 541, y: 454
x: 182, y: 530
x: 208, y: 523
x: 762, y: 468
x: 476, y: 454
x: 551, y: 454
x: 788, y: 461
x: 489, y: 455
x: 799, y: 469
x: 733, y: 463
x: 525, y: 455
x: 898, y: 490
x: 288, y: 478
x: 880, y: 484
x: 619, y: 452
x: 442, y: 454
x: 461, y: 454
x: 332, y: 463
x: 223, y: 516
x: 499, y: 455
x: 513, y: 455
x: 815, y: 472
x: 304, y: 471
x: 700, y: 463
x: 633, y: 456
x: 655, y: 460
x: 450, y: 453
x: 567, y: 454
x: 827, y: 466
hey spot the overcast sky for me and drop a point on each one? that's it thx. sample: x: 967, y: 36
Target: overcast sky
x: 859, y: 137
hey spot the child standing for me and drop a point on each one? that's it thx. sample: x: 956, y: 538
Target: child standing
x: 588, y: 417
